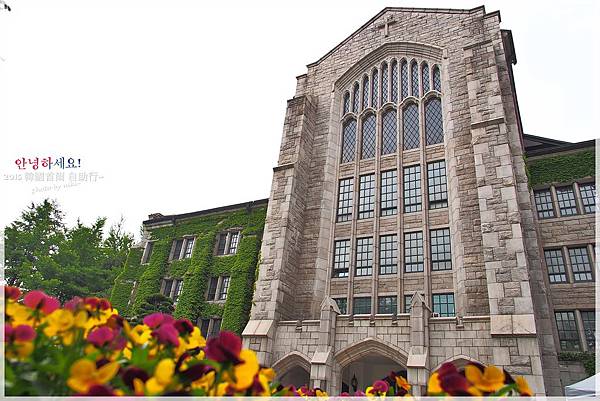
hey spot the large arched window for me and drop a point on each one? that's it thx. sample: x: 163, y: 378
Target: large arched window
x: 349, y: 141
x: 434, y: 131
x: 365, y: 94
x: 395, y: 81
x: 368, y: 137
x: 388, y: 144
x: 374, y: 88
x: 437, y: 80
x: 414, y: 79
x: 346, y: 102
x: 404, y: 78
x: 410, y: 126
x: 425, y: 77
x: 355, y: 98
x: 384, y: 83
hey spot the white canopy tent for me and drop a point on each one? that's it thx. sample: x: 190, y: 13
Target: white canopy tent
x: 584, y: 388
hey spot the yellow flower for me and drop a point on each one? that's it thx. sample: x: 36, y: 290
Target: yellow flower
x: 434, y: 385
x: 320, y: 393
x: 20, y: 350
x: 19, y: 314
x: 84, y: 374
x: 523, y: 386
x: 163, y: 375
x: 491, y: 380
x: 139, y: 335
x: 402, y: 383
x: 244, y: 372
x: 60, y: 322
x: 193, y: 340
x: 205, y: 382
x: 268, y: 373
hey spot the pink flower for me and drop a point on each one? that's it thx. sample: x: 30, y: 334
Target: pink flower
x: 101, y: 336
x: 12, y: 292
x: 166, y: 334
x: 22, y: 332
x: 380, y: 387
x: 224, y: 348
x: 156, y: 319
x: 38, y: 300
x: 74, y: 303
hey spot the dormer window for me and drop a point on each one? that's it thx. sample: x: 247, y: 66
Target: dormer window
x: 228, y: 242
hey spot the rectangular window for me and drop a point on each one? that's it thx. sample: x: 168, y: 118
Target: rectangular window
x: 147, y: 252
x: 543, y: 203
x: 589, y: 328
x: 588, y: 197
x: 189, y: 246
x: 437, y: 186
x: 234, y: 239
x: 443, y: 304
x: 566, y: 201
x: 364, y: 256
x: 441, y: 255
x: 212, y: 289
x: 342, y: 303
x: 389, y: 193
x: 557, y: 273
x: 362, y: 306
x: 215, y: 327
x: 580, y: 264
x: 224, y: 288
x: 341, y: 258
x: 204, y: 324
x: 167, y: 287
x: 177, y: 245
x: 412, y: 189
x: 387, y: 305
x: 178, y: 289
x: 407, y: 303
x: 388, y: 254
x: 366, y: 196
x: 222, y: 244
x: 567, y: 331
x: 413, y: 252
x: 344, y: 212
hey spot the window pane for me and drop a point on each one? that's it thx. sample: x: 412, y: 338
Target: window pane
x: 443, y: 304
x: 414, y: 75
x: 580, y: 264
x: 365, y: 94
x: 413, y: 252
x: 388, y: 145
x: 344, y: 212
x: 342, y: 303
x: 224, y: 288
x: 355, y: 97
x: 366, y: 196
x: 204, y: 327
x: 167, y: 287
x: 404, y: 78
x: 589, y: 328
x: 346, y: 103
x: 212, y: 288
x: 434, y: 129
x: 178, y: 289
x: 441, y: 254
x: 412, y: 189
x: 216, y: 328
x: 189, y: 246
x: 588, y: 197
x: 148, y: 252
x: 364, y: 256
x: 349, y: 141
x: 543, y: 203
x: 410, y: 126
x: 437, y: 80
x: 566, y: 201
x: 407, y: 303
x: 368, y: 137
x: 388, y: 254
x: 567, y: 331
x: 341, y: 258
x: 177, y: 250
x: 425, y: 77
x: 222, y: 243
x: 394, y: 88
x: 384, y: 83
x: 233, y: 242
x: 556, y: 265
x: 362, y: 306
x: 387, y: 305
x: 374, y: 88
x: 389, y: 193
x: 437, y: 187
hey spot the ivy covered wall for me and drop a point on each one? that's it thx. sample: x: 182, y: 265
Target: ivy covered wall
x: 197, y: 270
x: 561, y: 168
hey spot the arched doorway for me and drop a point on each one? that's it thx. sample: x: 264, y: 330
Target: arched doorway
x: 296, y: 376
x: 293, y: 369
x: 368, y: 360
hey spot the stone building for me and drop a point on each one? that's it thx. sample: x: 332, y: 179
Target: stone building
x: 402, y: 229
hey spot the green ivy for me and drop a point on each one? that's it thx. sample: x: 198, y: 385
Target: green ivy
x: 587, y: 358
x: 561, y: 168
x: 197, y: 270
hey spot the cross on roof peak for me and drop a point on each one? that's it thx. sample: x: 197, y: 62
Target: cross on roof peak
x: 385, y: 24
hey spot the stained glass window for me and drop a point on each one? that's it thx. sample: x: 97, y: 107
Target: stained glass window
x: 388, y: 145
x: 394, y: 81
x: 384, y: 83
x: 425, y: 77
x: 346, y: 103
x: 404, y: 79
x: 365, y: 94
x: 410, y: 126
x: 355, y: 97
x: 368, y: 137
x: 349, y: 141
x: 437, y: 80
x: 414, y: 75
x: 434, y: 130
x: 375, y: 89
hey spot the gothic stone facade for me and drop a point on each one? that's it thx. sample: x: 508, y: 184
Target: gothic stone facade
x: 322, y: 243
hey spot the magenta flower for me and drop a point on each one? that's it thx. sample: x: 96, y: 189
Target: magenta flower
x: 226, y: 347
x: 101, y: 336
x: 38, y: 300
x: 166, y: 334
x: 184, y: 326
x: 22, y: 332
x: 156, y: 319
x: 381, y: 387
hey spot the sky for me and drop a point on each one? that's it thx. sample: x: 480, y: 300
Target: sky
x: 177, y: 106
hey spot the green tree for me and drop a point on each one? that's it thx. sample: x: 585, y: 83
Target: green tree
x: 155, y: 303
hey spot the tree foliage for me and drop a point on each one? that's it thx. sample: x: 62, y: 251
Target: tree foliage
x: 42, y: 253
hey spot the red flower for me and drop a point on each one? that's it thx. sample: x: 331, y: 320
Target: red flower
x: 12, y: 292
x: 101, y: 336
x: 156, y: 319
x: 22, y: 332
x: 184, y: 326
x: 38, y: 300
x: 99, y: 390
x: 166, y: 334
x: 104, y: 304
x: 132, y: 373
x: 381, y: 387
x: 74, y: 303
x: 225, y: 347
